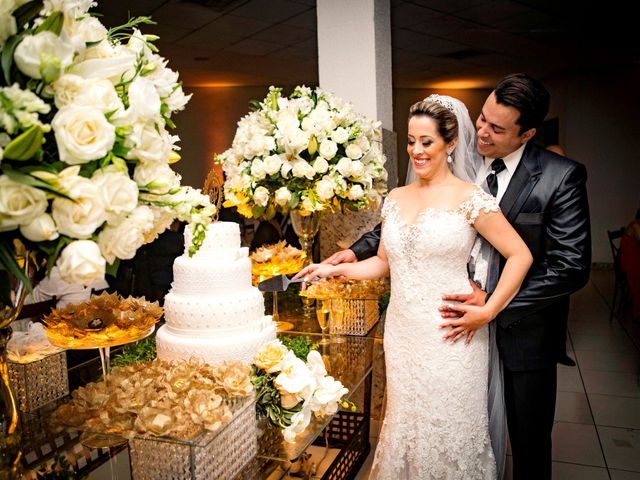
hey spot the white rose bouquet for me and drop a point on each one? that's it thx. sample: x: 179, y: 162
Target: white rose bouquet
x: 85, y: 151
x: 292, y: 385
x: 309, y: 151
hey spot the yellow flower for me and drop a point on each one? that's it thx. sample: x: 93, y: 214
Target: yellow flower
x: 269, y: 358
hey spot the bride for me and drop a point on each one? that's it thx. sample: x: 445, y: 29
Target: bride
x: 436, y: 421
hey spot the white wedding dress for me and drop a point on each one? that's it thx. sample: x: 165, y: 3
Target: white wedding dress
x: 436, y: 421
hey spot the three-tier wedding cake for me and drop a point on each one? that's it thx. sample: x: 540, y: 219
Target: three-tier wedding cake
x: 212, y: 311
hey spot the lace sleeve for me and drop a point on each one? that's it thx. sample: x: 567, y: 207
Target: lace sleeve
x: 386, y: 206
x: 480, y: 201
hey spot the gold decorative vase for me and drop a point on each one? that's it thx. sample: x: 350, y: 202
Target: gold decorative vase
x: 10, y: 439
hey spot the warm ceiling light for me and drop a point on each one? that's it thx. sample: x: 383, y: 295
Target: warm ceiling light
x: 460, y: 84
x: 215, y: 84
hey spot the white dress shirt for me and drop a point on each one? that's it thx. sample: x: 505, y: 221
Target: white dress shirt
x: 511, y: 161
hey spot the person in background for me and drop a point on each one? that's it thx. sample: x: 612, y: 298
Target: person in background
x: 65, y: 293
x: 630, y: 261
x: 556, y: 149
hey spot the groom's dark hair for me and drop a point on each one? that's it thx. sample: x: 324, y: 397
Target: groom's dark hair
x: 525, y: 94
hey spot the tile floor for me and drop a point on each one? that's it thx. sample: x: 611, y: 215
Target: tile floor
x: 597, y: 427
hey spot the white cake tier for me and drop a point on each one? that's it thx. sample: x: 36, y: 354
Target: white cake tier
x: 200, y: 276
x: 189, y: 315
x: 221, y: 239
x: 214, y: 348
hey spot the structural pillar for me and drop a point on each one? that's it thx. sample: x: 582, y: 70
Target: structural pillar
x: 354, y: 60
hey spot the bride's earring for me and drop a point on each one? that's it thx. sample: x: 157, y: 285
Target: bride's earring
x: 449, y: 159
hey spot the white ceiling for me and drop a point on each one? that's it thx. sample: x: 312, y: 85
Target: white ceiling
x: 264, y: 42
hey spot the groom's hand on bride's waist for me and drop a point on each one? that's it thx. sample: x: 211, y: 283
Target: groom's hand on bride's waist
x: 476, y: 297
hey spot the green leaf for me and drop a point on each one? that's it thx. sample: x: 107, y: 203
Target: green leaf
x: 6, y: 60
x: 257, y: 211
x: 62, y: 242
x: 53, y: 23
x: 25, y: 145
x: 20, y: 177
x: 112, y: 268
x: 27, y: 12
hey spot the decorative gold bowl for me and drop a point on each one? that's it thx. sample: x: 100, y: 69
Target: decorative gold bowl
x: 106, y: 320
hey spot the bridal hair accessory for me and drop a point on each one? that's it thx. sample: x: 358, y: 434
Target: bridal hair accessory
x: 440, y: 100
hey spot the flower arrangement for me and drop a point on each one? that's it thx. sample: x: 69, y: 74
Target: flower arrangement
x: 85, y: 154
x: 309, y: 151
x: 180, y: 399
x: 293, y: 386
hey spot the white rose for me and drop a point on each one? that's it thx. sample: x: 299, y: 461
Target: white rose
x: 43, y: 55
x: 81, y: 263
x: 261, y: 196
x: 363, y: 142
x: 257, y: 169
x: 340, y: 135
x: 353, y: 151
x: 328, y: 149
x: 158, y: 178
x: 357, y: 169
x: 307, y: 205
x: 119, y: 192
x: 356, y: 192
x: 282, y: 196
x: 81, y: 216
x: 43, y: 228
x: 82, y: 134
x: 72, y: 89
x: 85, y: 30
x: 320, y: 165
x: 144, y: 100
x: 148, y: 145
x: 301, y: 168
x: 19, y: 204
x: 344, y: 167
x: 123, y: 240
x: 324, y: 189
x: 272, y: 164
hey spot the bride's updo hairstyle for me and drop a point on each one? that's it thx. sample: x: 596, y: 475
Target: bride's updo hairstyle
x: 436, y: 107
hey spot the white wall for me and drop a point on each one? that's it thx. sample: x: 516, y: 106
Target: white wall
x: 600, y: 127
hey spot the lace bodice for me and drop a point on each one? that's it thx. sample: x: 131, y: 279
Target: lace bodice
x: 436, y: 422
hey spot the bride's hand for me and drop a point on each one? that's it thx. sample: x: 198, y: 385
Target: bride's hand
x: 321, y: 270
x: 471, y: 319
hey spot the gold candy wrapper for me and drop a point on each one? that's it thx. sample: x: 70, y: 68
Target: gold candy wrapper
x: 348, y: 289
x: 104, y: 320
x: 280, y: 258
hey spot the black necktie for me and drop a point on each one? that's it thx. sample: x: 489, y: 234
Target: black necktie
x: 492, y: 179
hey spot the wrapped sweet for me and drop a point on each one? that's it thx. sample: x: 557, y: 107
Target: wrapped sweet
x: 104, y: 320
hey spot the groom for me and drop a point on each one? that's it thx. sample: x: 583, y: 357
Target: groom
x: 543, y: 195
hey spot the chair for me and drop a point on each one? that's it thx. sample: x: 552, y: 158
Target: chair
x: 620, y: 289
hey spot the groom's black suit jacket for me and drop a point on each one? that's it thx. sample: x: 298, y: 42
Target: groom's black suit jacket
x: 546, y: 202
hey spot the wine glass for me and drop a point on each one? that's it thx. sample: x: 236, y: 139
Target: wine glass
x: 337, y: 317
x: 323, y: 312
